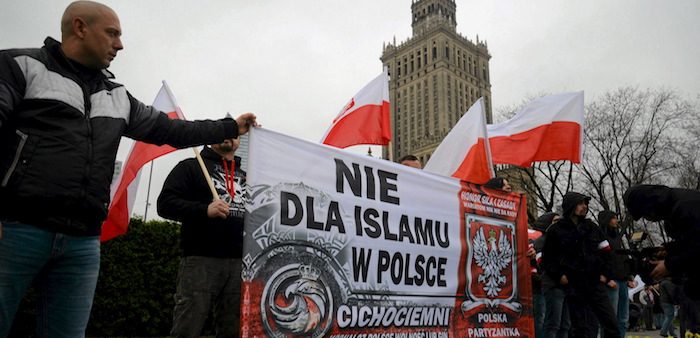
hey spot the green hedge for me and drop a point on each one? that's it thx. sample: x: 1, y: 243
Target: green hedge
x: 134, y: 295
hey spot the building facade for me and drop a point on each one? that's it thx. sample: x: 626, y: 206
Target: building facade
x: 435, y: 76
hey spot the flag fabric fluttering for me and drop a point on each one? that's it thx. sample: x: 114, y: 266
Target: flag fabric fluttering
x: 464, y: 153
x: 365, y: 119
x: 124, y: 188
x: 547, y: 129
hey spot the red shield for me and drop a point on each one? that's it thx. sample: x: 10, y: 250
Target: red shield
x: 491, y: 260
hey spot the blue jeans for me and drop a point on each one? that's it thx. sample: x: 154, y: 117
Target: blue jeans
x: 620, y: 300
x: 667, y: 328
x: 65, y: 268
x: 539, y: 311
x: 556, y: 319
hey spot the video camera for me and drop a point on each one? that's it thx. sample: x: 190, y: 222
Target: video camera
x: 642, y: 257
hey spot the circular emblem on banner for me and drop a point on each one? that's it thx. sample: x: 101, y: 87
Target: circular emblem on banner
x: 297, y: 301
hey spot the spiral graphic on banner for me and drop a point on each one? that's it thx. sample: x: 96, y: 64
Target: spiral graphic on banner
x: 298, y: 302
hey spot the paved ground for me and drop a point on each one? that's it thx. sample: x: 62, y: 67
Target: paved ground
x: 646, y: 334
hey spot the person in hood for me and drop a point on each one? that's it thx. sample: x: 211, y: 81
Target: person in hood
x: 211, y: 239
x: 620, y: 268
x: 576, y: 257
x: 679, y: 209
x: 550, y: 311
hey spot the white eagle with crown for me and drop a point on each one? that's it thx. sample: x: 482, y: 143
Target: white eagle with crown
x: 492, y: 256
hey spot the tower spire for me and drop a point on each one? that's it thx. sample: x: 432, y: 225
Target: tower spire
x: 428, y: 14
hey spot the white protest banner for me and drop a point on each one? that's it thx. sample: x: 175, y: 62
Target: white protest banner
x: 344, y: 245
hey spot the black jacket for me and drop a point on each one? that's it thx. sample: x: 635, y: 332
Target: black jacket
x: 60, y: 126
x: 680, y: 211
x: 574, y: 249
x: 541, y: 224
x: 668, y: 291
x: 620, y: 263
x: 185, y: 198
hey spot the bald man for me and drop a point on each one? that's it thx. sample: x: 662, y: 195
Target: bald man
x: 61, y: 119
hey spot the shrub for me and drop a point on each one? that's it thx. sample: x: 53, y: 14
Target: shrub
x: 134, y: 295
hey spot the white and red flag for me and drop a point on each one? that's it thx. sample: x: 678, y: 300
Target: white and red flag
x: 547, y: 129
x: 464, y: 153
x: 124, y: 189
x: 365, y: 119
x: 605, y: 246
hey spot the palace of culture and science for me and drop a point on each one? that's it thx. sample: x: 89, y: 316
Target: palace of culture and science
x: 435, y: 76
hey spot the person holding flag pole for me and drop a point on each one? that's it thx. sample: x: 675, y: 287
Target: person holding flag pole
x: 211, y: 238
x: 61, y: 120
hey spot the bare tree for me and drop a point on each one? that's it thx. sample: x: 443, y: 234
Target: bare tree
x: 631, y: 137
x: 689, y: 166
x: 546, y: 182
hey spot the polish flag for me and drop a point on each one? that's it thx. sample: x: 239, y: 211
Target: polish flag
x: 464, y: 153
x: 124, y: 189
x: 533, y: 234
x: 365, y: 119
x: 547, y: 129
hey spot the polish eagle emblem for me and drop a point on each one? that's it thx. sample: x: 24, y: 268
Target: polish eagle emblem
x: 492, y: 256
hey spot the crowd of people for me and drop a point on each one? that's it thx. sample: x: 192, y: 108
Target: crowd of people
x: 583, y: 271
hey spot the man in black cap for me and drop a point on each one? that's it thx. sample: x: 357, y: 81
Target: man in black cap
x: 576, y: 256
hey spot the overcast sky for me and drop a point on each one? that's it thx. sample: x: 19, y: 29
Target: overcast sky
x: 296, y: 63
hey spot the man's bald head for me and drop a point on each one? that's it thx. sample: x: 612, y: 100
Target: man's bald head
x: 91, y: 34
x: 88, y: 11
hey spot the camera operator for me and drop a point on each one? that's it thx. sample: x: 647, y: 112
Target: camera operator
x: 680, y: 211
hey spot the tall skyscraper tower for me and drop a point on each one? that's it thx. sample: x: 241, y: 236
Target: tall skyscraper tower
x: 435, y: 76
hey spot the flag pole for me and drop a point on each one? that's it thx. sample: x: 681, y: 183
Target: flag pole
x: 214, y: 194
x: 390, y: 151
x: 487, y: 145
x: 148, y: 193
